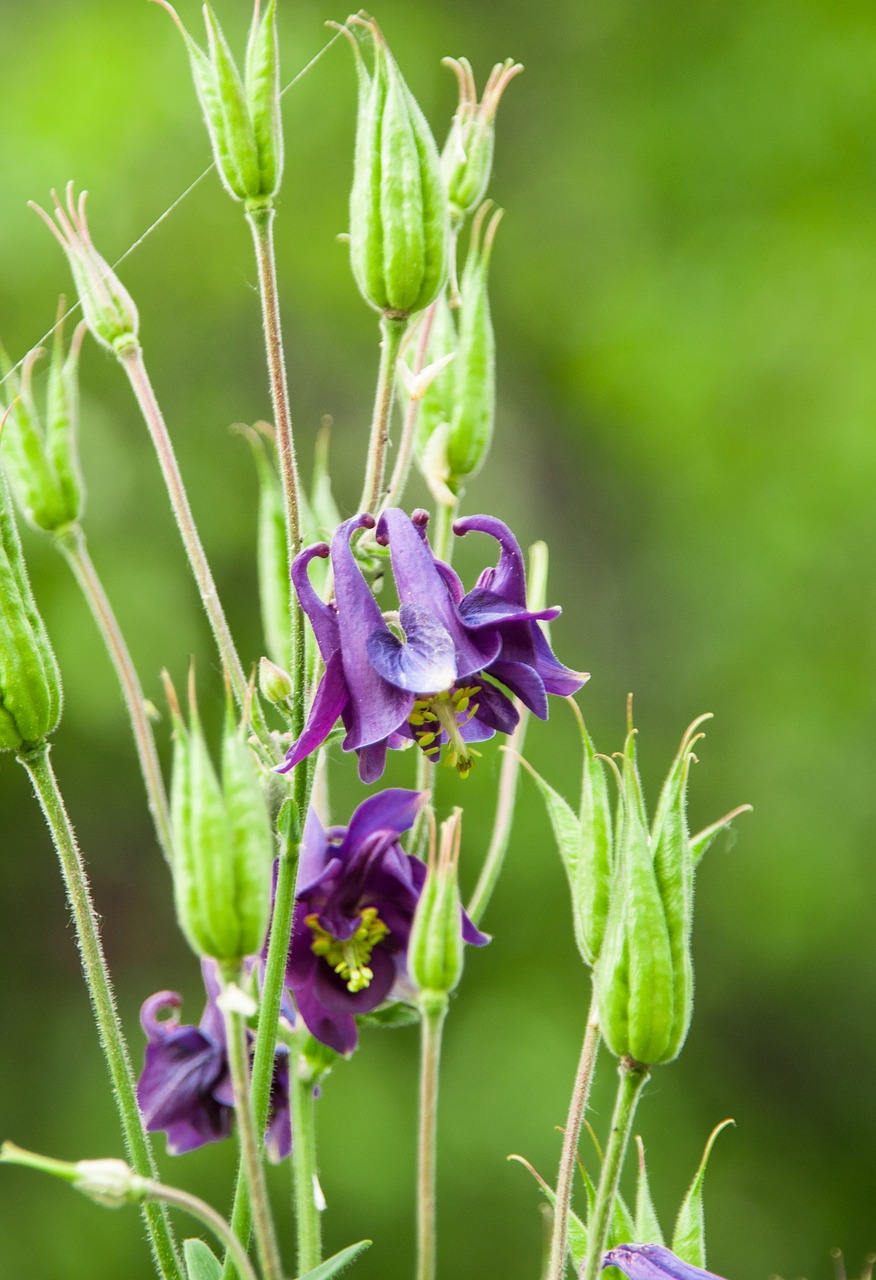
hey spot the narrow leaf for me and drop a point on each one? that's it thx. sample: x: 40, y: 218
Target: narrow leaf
x: 576, y: 1232
x: 335, y: 1265
x: 688, y: 1239
x: 647, y: 1225
x: 201, y: 1261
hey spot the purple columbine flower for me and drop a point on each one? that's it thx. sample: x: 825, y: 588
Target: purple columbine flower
x: 653, y: 1262
x: 356, y: 894
x: 185, y: 1087
x: 429, y: 673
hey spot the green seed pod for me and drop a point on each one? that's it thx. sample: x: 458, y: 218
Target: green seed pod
x: 222, y: 843
x: 435, y: 947
x: 107, y: 306
x: 399, y: 216
x: 471, y: 428
x: 467, y: 158
x: 437, y: 401
x: 30, y: 683
x: 242, y: 114
x: 41, y: 463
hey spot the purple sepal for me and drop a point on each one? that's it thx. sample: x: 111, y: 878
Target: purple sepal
x: 653, y: 1262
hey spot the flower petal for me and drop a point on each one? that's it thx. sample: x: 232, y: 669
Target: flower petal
x: 508, y: 579
x: 424, y: 663
x: 556, y: 677
x: 393, y: 810
x: 332, y: 697
x: 524, y: 680
x: 483, y: 608
x: 653, y: 1262
x: 323, y: 617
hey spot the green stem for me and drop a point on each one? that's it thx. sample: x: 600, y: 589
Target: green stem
x: 402, y: 467
x: 73, y: 547
x: 632, y: 1077
x: 211, y: 1219
x: 248, y: 1134
x: 132, y: 362
x: 580, y: 1093
x: 434, y: 1011
x: 392, y: 330
x: 304, y: 1168
x: 261, y: 223
x: 266, y: 1033
x: 97, y: 979
x: 441, y: 542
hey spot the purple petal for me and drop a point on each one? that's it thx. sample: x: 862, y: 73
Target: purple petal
x: 424, y: 663
x: 332, y: 993
x: 323, y: 617
x: 372, y: 760
x: 653, y: 1262
x: 178, y: 1075
x: 331, y: 698
x: 483, y: 608
x: 375, y: 708
x: 419, y: 583
x: 508, y: 579
x: 337, y: 1030
x: 556, y: 677
x: 495, y: 709
x: 393, y: 810
x: 313, y: 855
x: 212, y: 1023
x: 157, y: 1028
x: 472, y: 934
x: 525, y: 681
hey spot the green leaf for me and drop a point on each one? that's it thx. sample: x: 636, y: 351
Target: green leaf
x: 647, y: 1225
x: 334, y: 1265
x: 576, y: 1232
x: 688, y: 1239
x: 201, y: 1261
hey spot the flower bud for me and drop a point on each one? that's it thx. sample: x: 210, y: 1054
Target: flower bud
x: 435, y: 948
x: 107, y: 306
x: 41, y: 461
x: 644, y: 978
x: 30, y: 683
x: 242, y: 114
x: 109, y: 1182
x: 467, y: 158
x: 223, y: 846
x: 275, y: 684
x: 399, y: 216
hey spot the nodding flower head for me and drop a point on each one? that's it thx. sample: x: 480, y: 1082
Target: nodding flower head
x: 430, y: 673
x: 356, y: 896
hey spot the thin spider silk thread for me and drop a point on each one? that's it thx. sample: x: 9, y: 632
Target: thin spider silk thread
x: 162, y: 217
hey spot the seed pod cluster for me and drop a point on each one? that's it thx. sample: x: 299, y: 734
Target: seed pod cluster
x: 40, y: 459
x: 223, y: 846
x: 30, y: 683
x: 399, y: 216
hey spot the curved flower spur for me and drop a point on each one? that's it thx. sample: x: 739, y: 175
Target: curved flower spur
x: 429, y: 674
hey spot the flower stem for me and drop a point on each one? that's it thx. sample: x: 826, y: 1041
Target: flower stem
x: 304, y: 1169
x: 266, y: 1033
x: 250, y: 1144
x: 632, y: 1077
x: 97, y: 979
x: 444, y: 517
x: 261, y: 223
x: 72, y: 546
x: 580, y: 1092
x: 132, y: 362
x: 392, y: 330
x: 207, y: 1214
x: 434, y: 1011
x: 402, y: 467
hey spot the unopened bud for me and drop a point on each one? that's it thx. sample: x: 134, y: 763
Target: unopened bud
x: 30, y: 683
x: 399, y: 216
x: 109, y: 1182
x: 242, y: 113
x: 275, y: 684
x: 435, y: 956
x: 467, y: 159
x: 39, y: 457
x: 107, y: 306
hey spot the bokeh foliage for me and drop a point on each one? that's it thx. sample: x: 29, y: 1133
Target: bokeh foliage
x: 686, y: 318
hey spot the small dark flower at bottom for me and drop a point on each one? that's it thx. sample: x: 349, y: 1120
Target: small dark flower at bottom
x: 653, y: 1262
x: 185, y: 1087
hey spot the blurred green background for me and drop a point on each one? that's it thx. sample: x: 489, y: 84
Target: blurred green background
x: 684, y: 294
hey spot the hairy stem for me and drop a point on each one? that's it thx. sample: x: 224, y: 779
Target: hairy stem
x: 99, y: 984
x: 577, y: 1107
x: 132, y: 362
x: 261, y: 224
x: 392, y: 330
x: 304, y: 1168
x: 73, y: 547
x: 632, y: 1077
x: 434, y: 1011
x: 249, y: 1136
x: 211, y: 1219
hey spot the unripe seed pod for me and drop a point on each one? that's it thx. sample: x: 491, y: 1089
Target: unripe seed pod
x: 435, y: 948
x: 30, y: 683
x: 222, y: 843
x: 467, y: 158
x: 242, y: 114
x: 41, y: 460
x: 399, y: 216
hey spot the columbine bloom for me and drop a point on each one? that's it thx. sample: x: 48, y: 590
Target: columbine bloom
x: 185, y: 1088
x: 428, y: 673
x: 356, y: 895
x: 653, y: 1262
